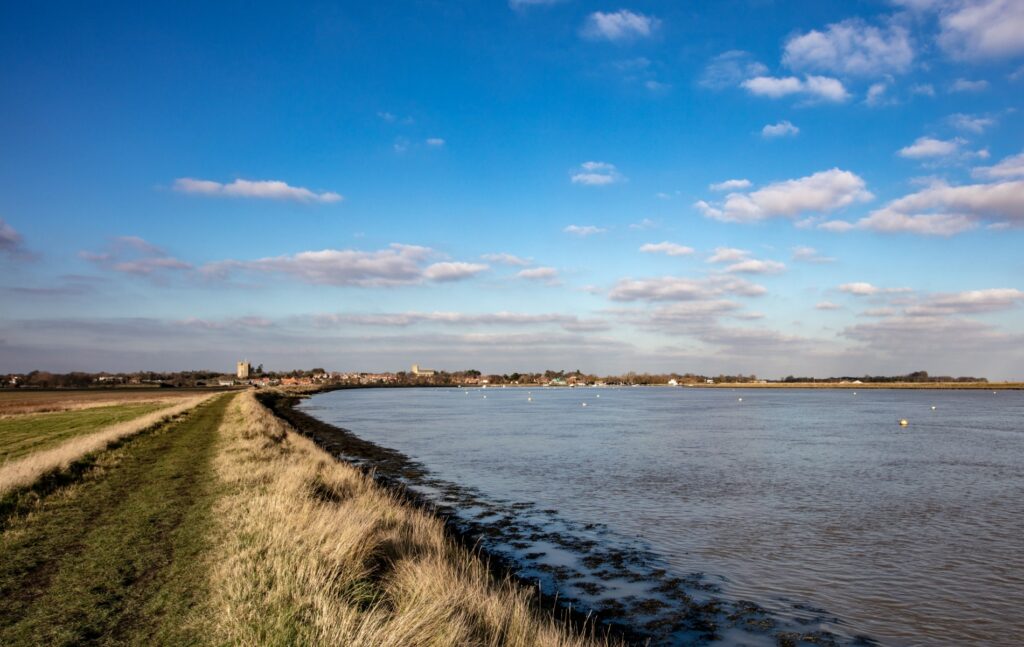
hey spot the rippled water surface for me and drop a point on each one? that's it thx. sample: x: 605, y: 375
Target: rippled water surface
x: 908, y: 535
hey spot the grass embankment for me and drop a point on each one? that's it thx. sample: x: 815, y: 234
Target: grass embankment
x: 224, y: 526
x: 118, y: 556
x: 24, y: 434
x: 316, y: 553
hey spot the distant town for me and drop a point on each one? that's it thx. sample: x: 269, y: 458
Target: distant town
x: 245, y: 374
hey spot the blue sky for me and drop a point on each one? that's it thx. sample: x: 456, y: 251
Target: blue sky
x: 754, y: 186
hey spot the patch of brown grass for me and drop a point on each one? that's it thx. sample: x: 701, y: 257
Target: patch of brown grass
x: 313, y: 552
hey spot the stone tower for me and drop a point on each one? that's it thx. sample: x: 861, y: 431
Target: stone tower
x: 242, y: 370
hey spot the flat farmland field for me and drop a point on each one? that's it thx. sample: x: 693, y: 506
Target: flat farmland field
x: 22, y: 401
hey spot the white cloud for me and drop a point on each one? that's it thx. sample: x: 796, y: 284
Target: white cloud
x: 731, y: 185
x: 877, y: 95
x: 982, y: 29
x: 926, y: 89
x: 667, y: 248
x: 805, y: 254
x: 781, y: 129
x: 395, y: 265
x: 435, y: 142
x: 548, y: 274
x: 644, y: 224
x: 728, y: 255
x: 387, y: 116
x: 260, y: 189
x: 967, y: 85
x: 862, y: 289
x: 971, y: 123
x: 931, y: 147
x: 944, y: 210
x: 820, y: 88
x: 619, y: 26
x: 133, y: 255
x: 584, y: 230
x: 756, y: 266
x: 10, y: 240
x: 969, y: 302
x: 730, y: 69
x: 827, y: 305
x: 676, y: 288
x: 851, y: 48
x: 1010, y: 167
x: 452, y: 271
x: 822, y: 192
x: 596, y: 174
x: 506, y: 259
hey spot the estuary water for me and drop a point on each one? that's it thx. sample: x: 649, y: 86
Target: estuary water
x: 813, y: 504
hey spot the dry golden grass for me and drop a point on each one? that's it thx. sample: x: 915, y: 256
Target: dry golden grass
x: 27, y: 470
x: 311, y: 551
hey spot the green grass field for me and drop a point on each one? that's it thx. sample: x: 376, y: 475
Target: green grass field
x: 24, y: 434
x: 118, y: 557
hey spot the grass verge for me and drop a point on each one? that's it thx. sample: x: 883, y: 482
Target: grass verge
x: 119, y: 556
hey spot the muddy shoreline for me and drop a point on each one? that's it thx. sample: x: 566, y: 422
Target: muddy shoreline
x: 587, y: 577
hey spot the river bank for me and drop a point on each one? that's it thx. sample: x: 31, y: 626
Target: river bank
x: 622, y: 585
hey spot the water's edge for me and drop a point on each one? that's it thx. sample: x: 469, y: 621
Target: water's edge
x: 648, y: 606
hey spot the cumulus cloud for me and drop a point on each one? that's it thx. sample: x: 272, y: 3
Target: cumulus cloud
x: 805, y: 254
x: 827, y: 305
x: 596, y: 174
x: 1010, y: 167
x: 930, y: 147
x: 134, y: 255
x: 452, y: 271
x: 507, y: 259
x: 259, y: 189
x: 862, y: 289
x: 944, y: 210
x: 11, y: 243
x: 546, y: 274
x: 619, y: 26
x: 756, y: 266
x: 782, y: 129
x: 731, y: 185
x: 396, y: 265
x: 728, y: 255
x: 971, y: 123
x: 967, y: 85
x: 968, y: 302
x: 730, y: 69
x: 584, y: 230
x: 667, y: 248
x: 822, y: 192
x: 851, y: 48
x: 814, y: 88
x: 676, y: 288
x: 982, y: 29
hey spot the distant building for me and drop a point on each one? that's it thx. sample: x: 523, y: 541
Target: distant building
x: 425, y: 372
x: 242, y: 370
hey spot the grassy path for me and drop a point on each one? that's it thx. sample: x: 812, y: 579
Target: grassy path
x: 119, y: 557
x: 21, y: 435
